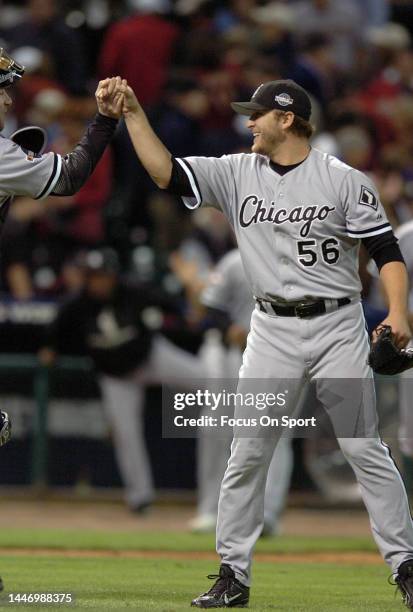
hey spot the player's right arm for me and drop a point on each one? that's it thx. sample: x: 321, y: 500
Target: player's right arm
x: 198, y: 180
x: 154, y: 156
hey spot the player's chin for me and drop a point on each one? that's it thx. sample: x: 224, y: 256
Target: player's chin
x: 255, y: 148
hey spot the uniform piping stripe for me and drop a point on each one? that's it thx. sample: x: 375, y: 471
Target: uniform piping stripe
x: 57, y: 166
x: 398, y: 472
x: 192, y: 180
x: 374, y: 231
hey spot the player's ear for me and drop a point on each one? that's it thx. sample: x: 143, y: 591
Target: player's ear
x: 288, y: 119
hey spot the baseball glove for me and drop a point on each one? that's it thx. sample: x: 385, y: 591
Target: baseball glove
x: 385, y: 357
x: 5, y: 428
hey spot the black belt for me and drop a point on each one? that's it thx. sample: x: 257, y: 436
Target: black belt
x: 302, y: 310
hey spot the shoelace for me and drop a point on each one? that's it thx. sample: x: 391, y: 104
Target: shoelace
x: 218, y: 587
x: 392, y: 580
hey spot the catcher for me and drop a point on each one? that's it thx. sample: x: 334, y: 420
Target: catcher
x: 25, y: 170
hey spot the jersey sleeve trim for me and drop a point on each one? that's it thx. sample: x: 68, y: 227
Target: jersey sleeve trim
x: 57, y: 167
x: 196, y: 201
x: 372, y: 231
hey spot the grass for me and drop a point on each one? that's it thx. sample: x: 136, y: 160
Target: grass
x: 168, y: 586
x: 169, y: 541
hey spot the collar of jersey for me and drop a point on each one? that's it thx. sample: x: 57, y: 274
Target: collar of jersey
x: 281, y: 169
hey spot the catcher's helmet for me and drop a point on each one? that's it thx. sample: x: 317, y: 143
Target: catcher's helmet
x: 9, y: 69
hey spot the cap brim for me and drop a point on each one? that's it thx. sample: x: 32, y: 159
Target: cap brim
x: 247, y: 108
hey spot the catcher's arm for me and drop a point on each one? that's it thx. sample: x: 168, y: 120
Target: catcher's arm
x: 78, y: 165
x: 395, y: 283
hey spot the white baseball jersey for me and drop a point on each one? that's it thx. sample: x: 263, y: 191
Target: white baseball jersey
x: 228, y: 290
x: 298, y: 234
x: 25, y: 174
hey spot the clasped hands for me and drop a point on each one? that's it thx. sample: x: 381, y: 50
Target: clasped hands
x: 115, y: 98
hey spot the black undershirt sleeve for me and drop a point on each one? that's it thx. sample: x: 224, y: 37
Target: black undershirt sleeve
x: 78, y: 165
x: 383, y: 248
x: 179, y: 183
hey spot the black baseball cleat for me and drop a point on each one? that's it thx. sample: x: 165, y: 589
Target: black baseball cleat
x: 227, y: 592
x: 404, y: 581
x: 1, y: 585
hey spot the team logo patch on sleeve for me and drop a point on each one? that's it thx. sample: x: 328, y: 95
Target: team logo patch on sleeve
x: 367, y: 198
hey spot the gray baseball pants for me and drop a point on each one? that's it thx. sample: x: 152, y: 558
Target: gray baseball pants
x: 330, y: 346
x: 213, y: 451
x: 123, y: 402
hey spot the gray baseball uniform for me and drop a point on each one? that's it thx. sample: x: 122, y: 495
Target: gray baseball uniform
x: 298, y: 234
x: 25, y: 174
x: 228, y: 291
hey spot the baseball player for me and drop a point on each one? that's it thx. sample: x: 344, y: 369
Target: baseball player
x: 299, y: 216
x: 24, y: 170
x: 230, y: 304
x: 108, y: 321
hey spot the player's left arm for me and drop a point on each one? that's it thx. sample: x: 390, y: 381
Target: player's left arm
x: 27, y: 172
x: 78, y: 165
x: 393, y: 276
x: 366, y: 220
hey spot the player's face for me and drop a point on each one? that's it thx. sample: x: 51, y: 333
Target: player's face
x: 5, y: 103
x: 268, y: 131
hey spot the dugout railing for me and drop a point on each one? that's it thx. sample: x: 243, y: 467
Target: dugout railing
x: 41, y: 376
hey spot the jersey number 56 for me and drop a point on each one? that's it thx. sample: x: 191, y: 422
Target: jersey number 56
x: 308, y: 252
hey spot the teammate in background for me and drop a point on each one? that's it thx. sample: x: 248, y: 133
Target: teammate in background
x: 299, y: 216
x: 230, y: 305
x: 108, y: 320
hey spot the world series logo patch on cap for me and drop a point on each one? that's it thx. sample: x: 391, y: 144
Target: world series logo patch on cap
x: 284, y: 99
x: 367, y: 198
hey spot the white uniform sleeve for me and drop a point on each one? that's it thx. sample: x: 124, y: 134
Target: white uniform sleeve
x: 365, y: 215
x: 211, y: 179
x: 24, y: 174
x: 218, y: 291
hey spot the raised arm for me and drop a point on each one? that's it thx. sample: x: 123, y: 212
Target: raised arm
x: 78, y: 165
x: 153, y: 155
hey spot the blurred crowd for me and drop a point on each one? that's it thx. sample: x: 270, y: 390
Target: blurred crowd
x: 186, y: 60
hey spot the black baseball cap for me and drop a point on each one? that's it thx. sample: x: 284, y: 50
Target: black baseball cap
x: 10, y: 70
x: 284, y: 95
